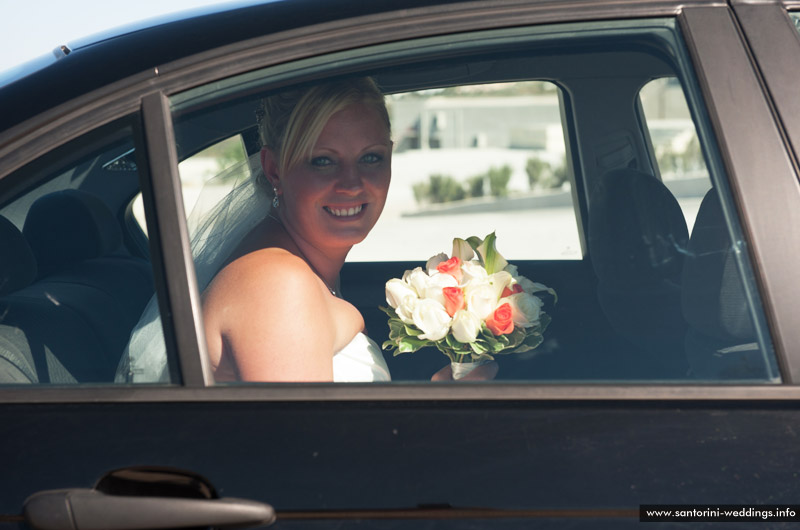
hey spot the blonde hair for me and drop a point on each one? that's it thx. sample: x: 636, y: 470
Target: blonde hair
x: 290, y: 122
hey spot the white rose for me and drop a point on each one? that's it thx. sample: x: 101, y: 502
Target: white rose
x: 418, y: 280
x: 431, y: 317
x: 525, y: 308
x: 480, y: 298
x: 438, y: 282
x: 396, y: 291
x: 512, y: 269
x: 473, y: 270
x: 466, y: 326
x: 405, y: 311
x: 481, y: 295
x: 434, y: 261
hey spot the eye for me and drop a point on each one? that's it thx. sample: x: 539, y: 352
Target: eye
x: 321, y: 161
x: 371, y: 158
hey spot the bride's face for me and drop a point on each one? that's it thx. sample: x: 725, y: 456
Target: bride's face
x: 335, y: 198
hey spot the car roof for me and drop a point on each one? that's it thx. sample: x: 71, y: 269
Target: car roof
x: 102, y: 59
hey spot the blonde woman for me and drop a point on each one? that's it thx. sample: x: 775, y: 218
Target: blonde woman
x: 272, y: 313
x: 268, y: 256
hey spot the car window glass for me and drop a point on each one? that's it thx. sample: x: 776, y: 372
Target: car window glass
x: 196, y: 170
x: 638, y: 266
x: 75, y: 269
x: 675, y: 144
x: 476, y: 156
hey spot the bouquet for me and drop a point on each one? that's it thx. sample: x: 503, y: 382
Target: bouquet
x: 471, y: 306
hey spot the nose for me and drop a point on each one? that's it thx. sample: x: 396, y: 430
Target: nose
x: 350, y: 180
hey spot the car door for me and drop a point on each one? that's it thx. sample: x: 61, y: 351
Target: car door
x: 582, y: 435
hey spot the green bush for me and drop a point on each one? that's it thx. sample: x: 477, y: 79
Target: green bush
x: 542, y: 175
x: 444, y: 188
x: 498, y: 180
x: 538, y: 170
x: 475, y: 186
x: 438, y: 189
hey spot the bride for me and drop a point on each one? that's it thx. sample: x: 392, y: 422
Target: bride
x: 269, y: 265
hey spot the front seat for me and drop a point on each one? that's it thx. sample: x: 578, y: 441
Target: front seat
x: 637, y: 240
x: 721, y: 341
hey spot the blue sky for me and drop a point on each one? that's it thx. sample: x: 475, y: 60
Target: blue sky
x: 30, y: 28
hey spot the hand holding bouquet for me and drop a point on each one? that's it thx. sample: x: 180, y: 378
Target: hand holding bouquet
x: 471, y: 306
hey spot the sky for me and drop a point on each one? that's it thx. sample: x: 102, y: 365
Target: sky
x: 31, y: 28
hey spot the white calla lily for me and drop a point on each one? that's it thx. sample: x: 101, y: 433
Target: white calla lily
x: 462, y: 249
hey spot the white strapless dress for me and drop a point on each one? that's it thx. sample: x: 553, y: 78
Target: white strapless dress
x: 361, y: 361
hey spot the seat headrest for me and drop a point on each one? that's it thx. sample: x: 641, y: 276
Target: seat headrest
x: 714, y: 300
x: 637, y: 231
x: 68, y: 226
x: 17, y: 262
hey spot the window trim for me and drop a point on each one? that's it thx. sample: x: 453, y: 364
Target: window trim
x: 755, y: 175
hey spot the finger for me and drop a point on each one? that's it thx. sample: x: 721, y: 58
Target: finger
x: 484, y: 372
x: 445, y: 374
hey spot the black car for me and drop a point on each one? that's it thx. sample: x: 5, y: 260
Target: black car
x: 638, y: 157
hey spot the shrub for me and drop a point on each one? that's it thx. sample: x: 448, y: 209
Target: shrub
x: 475, y: 186
x: 498, y: 180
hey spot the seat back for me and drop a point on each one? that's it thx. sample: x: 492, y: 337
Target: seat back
x: 637, y: 240
x: 721, y: 340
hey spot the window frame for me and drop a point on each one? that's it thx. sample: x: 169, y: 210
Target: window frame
x: 148, y: 91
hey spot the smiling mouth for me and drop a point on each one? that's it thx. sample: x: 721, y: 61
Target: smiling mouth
x: 345, y: 212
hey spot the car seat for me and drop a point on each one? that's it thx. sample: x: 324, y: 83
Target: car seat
x: 637, y: 240
x: 35, y: 331
x: 721, y: 341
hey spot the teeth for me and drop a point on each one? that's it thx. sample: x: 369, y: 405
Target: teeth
x: 344, y: 212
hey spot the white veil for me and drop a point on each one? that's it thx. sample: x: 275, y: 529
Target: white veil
x: 216, y: 227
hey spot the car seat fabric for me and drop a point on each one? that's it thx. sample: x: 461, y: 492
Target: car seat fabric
x: 721, y: 340
x: 17, y: 263
x: 69, y: 226
x: 78, y: 239
x: 637, y: 240
x: 28, y: 325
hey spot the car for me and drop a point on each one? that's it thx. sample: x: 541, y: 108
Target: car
x: 639, y: 158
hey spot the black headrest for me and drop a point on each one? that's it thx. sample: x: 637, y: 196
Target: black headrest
x: 69, y: 226
x: 637, y: 231
x: 17, y: 263
x: 714, y: 300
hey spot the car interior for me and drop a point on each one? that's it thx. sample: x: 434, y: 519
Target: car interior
x: 650, y: 299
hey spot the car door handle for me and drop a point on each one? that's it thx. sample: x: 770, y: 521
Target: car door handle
x: 88, y: 509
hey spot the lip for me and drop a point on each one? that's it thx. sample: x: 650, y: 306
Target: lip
x: 346, y: 212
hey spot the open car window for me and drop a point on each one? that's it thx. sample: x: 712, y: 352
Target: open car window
x: 586, y: 150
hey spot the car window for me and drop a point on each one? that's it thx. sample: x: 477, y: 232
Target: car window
x: 75, y: 268
x: 196, y: 170
x: 476, y: 156
x: 586, y: 153
x: 676, y: 147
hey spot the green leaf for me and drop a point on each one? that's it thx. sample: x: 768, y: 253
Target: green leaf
x: 492, y: 260
x: 412, y: 330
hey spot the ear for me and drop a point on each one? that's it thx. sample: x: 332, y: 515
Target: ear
x: 269, y: 163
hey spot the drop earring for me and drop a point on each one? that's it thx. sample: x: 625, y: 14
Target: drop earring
x: 275, y: 201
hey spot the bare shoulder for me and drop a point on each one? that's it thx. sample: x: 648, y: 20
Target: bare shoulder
x: 265, y: 271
